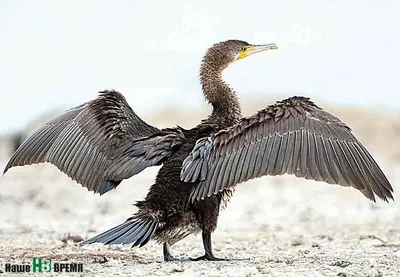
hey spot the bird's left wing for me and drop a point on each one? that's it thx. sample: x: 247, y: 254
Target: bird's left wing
x: 293, y: 136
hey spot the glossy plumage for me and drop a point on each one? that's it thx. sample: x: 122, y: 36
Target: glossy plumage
x: 103, y: 141
x: 88, y: 142
x: 293, y: 136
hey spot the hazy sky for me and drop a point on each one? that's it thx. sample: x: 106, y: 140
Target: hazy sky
x: 58, y: 54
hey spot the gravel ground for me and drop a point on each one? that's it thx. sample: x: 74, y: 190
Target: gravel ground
x: 274, y: 226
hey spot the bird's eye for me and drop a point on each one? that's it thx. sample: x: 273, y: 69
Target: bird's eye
x: 244, y: 48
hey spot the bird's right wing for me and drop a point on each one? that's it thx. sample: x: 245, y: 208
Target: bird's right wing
x: 98, y: 144
x: 293, y: 136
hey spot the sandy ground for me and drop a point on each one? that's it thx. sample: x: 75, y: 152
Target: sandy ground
x: 276, y: 226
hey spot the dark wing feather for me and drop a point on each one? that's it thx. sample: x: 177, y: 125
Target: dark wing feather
x: 293, y: 136
x: 98, y: 144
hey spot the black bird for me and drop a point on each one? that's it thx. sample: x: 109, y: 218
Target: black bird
x: 102, y: 142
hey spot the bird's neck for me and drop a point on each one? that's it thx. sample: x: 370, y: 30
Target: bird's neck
x: 226, y: 107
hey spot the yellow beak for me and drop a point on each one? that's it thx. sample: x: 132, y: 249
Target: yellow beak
x: 252, y: 49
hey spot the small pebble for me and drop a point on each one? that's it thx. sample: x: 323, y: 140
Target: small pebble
x: 74, y: 238
x: 341, y: 263
x: 297, y: 241
x: 101, y: 260
x: 314, y: 244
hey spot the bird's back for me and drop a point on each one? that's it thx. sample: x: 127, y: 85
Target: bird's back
x: 169, y: 193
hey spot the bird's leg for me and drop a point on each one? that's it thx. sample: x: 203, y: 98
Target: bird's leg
x: 209, y: 255
x: 168, y: 256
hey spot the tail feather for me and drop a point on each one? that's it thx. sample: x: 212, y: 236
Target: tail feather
x: 108, y: 235
x: 132, y: 235
x: 135, y: 230
x: 148, y: 235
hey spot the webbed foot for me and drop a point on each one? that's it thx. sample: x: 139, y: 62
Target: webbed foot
x: 209, y: 258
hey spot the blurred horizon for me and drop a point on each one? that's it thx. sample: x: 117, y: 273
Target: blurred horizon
x: 58, y: 54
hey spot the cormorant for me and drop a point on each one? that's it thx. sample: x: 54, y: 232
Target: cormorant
x: 102, y: 142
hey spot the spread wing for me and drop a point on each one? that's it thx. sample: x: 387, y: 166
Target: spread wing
x: 98, y: 144
x: 293, y: 136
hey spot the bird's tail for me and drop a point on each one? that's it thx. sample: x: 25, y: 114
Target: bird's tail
x: 135, y: 230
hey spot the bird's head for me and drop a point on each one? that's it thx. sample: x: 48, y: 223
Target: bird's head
x: 229, y: 51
